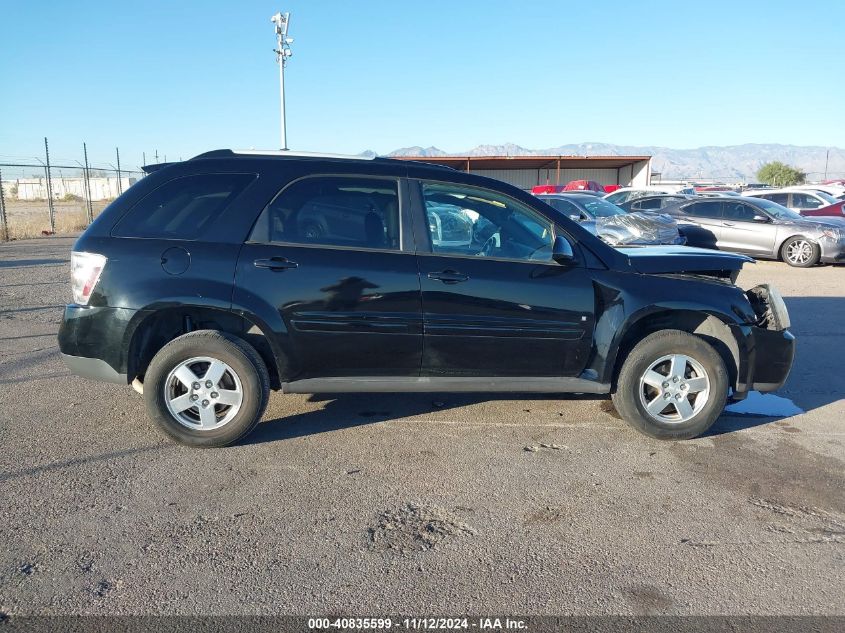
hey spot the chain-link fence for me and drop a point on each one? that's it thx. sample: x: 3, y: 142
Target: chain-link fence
x: 38, y: 197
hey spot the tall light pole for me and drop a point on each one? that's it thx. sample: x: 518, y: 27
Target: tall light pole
x: 283, y: 51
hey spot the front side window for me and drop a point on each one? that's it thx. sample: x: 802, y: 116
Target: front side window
x: 619, y: 197
x: 182, y: 208
x: 805, y: 201
x: 565, y: 207
x: 478, y: 222
x: 739, y: 212
x: 601, y: 208
x: 350, y: 211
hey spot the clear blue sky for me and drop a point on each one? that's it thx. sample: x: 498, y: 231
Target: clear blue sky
x: 183, y: 77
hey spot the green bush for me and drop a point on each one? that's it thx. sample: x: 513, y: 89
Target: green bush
x: 780, y: 174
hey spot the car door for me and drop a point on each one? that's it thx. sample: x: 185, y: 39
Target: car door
x: 499, y: 306
x: 800, y: 201
x: 331, y: 272
x: 702, y: 222
x: 741, y: 233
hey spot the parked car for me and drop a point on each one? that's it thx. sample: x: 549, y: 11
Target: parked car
x: 762, y: 228
x: 584, y: 185
x: 572, y: 186
x: 805, y: 201
x: 837, y: 191
x: 613, y: 224
x: 721, y: 193
x: 200, y: 287
x: 653, y: 202
x: 624, y: 194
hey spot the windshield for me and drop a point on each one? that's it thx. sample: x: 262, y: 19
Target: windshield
x: 777, y: 211
x: 601, y: 208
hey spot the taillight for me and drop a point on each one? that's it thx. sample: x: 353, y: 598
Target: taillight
x: 85, y: 269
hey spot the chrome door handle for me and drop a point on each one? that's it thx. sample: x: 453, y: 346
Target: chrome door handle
x: 275, y: 263
x: 448, y: 276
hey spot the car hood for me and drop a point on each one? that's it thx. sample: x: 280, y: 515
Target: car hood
x: 814, y: 222
x: 635, y: 228
x: 684, y: 259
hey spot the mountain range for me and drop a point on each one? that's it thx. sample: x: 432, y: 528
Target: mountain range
x: 728, y: 163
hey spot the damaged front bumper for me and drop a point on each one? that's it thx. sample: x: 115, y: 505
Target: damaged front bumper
x: 766, y: 349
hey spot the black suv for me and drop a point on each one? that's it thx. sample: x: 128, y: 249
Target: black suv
x: 214, y: 280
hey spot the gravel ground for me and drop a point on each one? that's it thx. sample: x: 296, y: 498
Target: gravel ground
x: 415, y: 504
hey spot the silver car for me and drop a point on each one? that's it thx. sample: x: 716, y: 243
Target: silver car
x: 614, y: 225
x: 760, y: 228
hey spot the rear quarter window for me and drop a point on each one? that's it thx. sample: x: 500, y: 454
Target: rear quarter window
x: 182, y: 208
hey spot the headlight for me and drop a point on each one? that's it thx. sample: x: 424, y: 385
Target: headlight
x: 831, y: 233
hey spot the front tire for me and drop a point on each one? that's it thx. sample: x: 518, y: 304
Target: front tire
x: 206, y: 389
x: 672, y: 386
x: 800, y: 252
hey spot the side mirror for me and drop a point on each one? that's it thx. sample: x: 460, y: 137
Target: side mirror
x: 760, y: 218
x: 562, y: 251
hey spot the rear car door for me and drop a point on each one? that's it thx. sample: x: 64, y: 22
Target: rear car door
x: 336, y: 278
x: 494, y: 302
x: 703, y: 222
x: 741, y: 233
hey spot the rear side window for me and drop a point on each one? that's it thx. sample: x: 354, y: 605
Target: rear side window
x: 706, y: 209
x: 779, y: 198
x: 647, y: 203
x: 183, y: 208
x: 355, y: 212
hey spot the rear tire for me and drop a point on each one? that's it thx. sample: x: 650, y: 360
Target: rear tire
x: 800, y: 252
x: 206, y: 389
x: 672, y: 386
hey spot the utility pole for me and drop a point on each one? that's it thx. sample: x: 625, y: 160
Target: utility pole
x: 49, y: 189
x: 3, y: 227
x: 119, y: 184
x: 283, y: 52
x: 826, y: 159
x: 88, y: 184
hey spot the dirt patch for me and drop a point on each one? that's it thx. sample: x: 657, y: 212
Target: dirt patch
x: 544, y: 516
x: 647, y: 599
x: 550, y: 447
x: 788, y: 475
x: 416, y: 528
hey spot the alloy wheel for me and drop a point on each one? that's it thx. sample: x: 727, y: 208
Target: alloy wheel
x: 799, y: 252
x: 674, y: 389
x: 203, y: 393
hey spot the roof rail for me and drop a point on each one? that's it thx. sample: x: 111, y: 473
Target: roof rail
x: 284, y: 153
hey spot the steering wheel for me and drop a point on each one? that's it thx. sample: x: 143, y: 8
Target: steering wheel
x: 489, y: 245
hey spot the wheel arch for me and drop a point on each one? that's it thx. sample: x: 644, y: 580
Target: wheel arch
x: 781, y: 243
x: 713, y: 327
x: 153, y: 327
